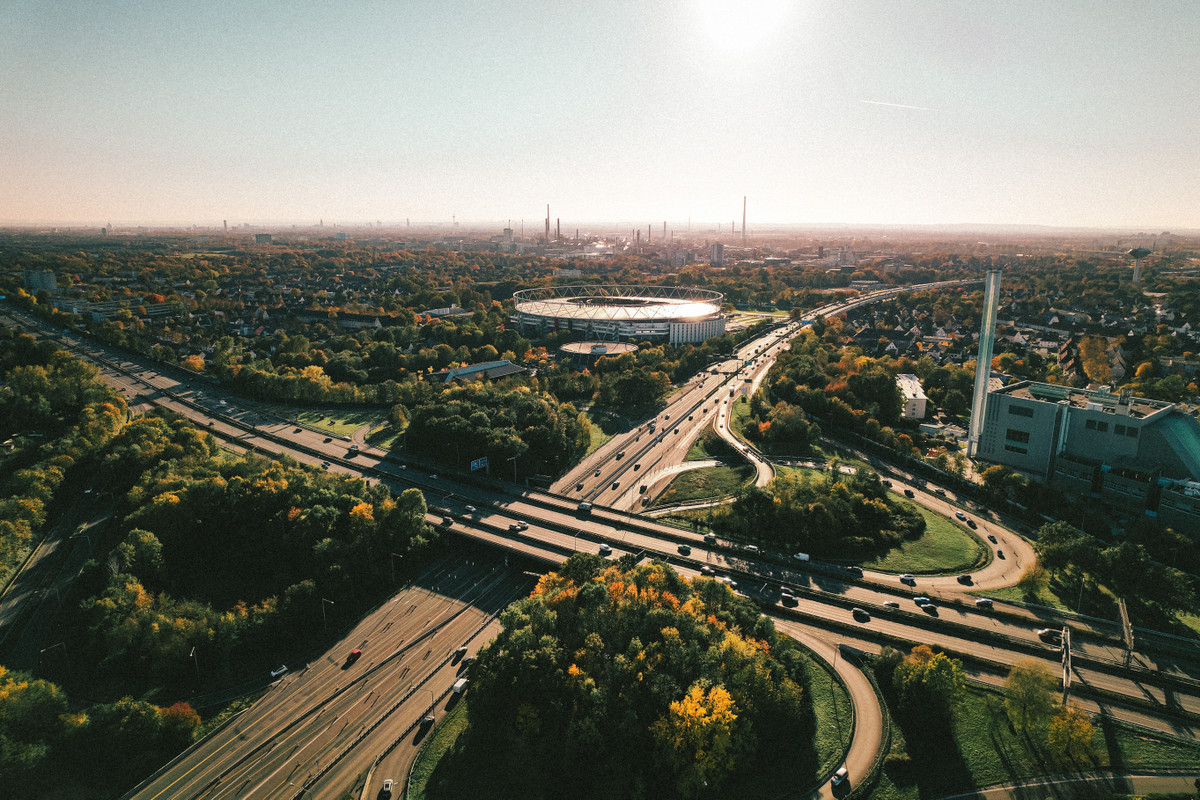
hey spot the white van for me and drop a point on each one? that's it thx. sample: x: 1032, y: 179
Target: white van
x: 460, y: 686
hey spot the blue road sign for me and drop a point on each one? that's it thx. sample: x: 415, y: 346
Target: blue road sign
x: 479, y: 463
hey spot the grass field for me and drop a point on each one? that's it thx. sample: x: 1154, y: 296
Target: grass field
x: 944, y: 547
x: 342, y: 422
x: 604, y: 427
x: 989, y: 752
x: 709, y: 445
x: 710, y: 482
x: 440, y: 740
x: 834, y: 713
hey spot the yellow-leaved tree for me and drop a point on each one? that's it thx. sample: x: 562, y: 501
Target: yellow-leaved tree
x: 697, y: 735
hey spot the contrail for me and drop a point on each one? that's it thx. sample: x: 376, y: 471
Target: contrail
x: 895, y: 105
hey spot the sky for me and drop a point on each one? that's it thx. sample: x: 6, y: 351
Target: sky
x: 819, y: 111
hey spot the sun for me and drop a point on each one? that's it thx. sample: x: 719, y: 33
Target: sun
x: 739, y: 25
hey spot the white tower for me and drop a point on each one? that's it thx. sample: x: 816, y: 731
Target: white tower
x: 983, y: 367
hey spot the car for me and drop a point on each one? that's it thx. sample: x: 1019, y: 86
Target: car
x: 514, y: 527
x: 751, y: 548
x: 800, y: 556
x: 324, y: 465
x: 666, y: 416
x: 971, y: 524
x: 616, y: 484
x: 984, y: 604
x: 282, y: 668
x: 860, y: 614
x: 909, y: 493
x: 689, y: 417
x: 684, y: 550
x: 470, y: 509
x: 886, y: 483
x: 710, y: 538
x: 605, y: 550
x: 840, y: 777
x: 523, y: 525
x: 789, y: 599
x: 354, y: 655
x: 433, y: 477
x: 890, y: 604
x: 922, y: 601
x: 991, y: 538
x: 353, y: 448
x: 909, y: 579
x: 964, y: 579
x: 1050, y: 635
x: 427, y: 721
x: 855, y: 571
x: 706, y: 570
x: 298, y: 430
x: 596, y: 474
x: 1000, y: 554
x: 327, y: 439
x: 386, y: 792
x: 961, y: 516
x: 940, y: 491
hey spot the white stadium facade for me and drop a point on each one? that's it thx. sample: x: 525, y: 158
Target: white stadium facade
x: 672, y: 314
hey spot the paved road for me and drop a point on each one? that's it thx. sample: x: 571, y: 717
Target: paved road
x: 322, y: 727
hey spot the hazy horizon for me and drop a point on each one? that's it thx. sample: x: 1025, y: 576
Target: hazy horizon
x: 1073, y: 115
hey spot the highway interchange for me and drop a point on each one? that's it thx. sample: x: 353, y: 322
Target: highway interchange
x: 1158, y: 686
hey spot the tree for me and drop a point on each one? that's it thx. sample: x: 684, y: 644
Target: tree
x: 697, y: 735
x: 1030, y: 702
x: 929, y: 684
x: 1069, y: 735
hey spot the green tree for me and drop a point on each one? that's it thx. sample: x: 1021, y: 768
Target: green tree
x: 1030, y: 687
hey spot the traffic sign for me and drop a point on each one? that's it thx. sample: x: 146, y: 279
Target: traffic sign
x: 479, y: 463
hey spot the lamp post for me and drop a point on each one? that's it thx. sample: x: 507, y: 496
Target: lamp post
x: 196, y: 660
x: 394, y: 557
x: 45, y: 650
x: 324, y: 621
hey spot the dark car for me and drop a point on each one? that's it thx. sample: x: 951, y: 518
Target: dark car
x: 860, y: 614
x: 355, y: 655
x: 965, y: 580
x: 684, y: 550
x: 971, y: 524
x: 327, y: 439
x: 991, y: 538
x: 1050, y: 635
x: 854, y: 571
x: 909, y: 493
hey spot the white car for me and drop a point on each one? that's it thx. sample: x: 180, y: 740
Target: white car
x: 840, y: 777
x: 386, y: 791
x: 961, y: 516
x: 470, y: 509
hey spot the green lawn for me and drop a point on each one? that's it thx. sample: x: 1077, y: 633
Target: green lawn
x: 383, y: 437
x: 710, y: 445
x: 702, y: 483
x: 944, y: 547
x: 1045, y: 596
x: 604, y: 427
x: 444, y: 734
x: 341, y: 422
x: 989, y: 752
x: 834, y: 713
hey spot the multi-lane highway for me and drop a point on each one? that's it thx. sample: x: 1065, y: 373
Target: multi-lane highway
x: 351, y: 718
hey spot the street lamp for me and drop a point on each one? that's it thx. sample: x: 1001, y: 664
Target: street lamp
x: 325, y: 622
x: 45, y: 650
x: 196, y: 659
x: 394, y: 557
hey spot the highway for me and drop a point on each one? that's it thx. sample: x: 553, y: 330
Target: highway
x: 324, y: 728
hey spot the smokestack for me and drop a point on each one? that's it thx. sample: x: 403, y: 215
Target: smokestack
x: 664, y: 229
x: 558, y: 229
x: 743, y: 219
x: 225, y: 222
x: 547, y: 222
x: 649, y: 234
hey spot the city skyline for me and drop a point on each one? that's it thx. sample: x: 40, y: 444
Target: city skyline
x: 1071, y: 116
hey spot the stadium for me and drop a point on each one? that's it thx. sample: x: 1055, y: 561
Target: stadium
x: 672, y: 314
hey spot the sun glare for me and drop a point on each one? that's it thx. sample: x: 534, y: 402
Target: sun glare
x: 739, y: 25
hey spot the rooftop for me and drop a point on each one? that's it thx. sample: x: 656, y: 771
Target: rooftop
x: 1139, y: 407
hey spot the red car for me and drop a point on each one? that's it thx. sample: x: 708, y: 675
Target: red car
x: 354, y: 656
